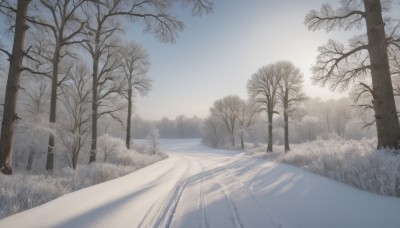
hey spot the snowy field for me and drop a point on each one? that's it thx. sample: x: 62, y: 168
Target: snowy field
x: 202, y: 187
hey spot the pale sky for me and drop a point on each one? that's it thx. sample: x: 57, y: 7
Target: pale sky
x: 216, y: 54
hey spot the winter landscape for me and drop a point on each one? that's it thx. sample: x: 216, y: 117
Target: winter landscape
x: 199, y: 113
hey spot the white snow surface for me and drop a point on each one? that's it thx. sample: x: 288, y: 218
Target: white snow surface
x: 202, y: 187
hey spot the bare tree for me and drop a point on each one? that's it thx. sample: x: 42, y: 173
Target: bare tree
x: 290, y: 92
x: 247, y: 117
x: 104, y: 26
x: 76, y: 102
x: 62, y: 22
x: 339, y: 66
x: 212, y: 132
x: 135, y: 65
x: 153, y: 138
x: 33, y: 124
x: 14, y: 73
x: 263, y: 87
x: 227, y: 111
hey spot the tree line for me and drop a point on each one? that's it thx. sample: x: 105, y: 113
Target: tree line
x: 313, y: 119
x: 75, y: 47
x: 181, y: 127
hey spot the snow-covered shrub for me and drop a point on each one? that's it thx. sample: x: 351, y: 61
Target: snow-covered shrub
x: 113, y: 150
x: 356, y: 163
x: 108, y: 145
x: 23, y: 191
x: 140, y: 148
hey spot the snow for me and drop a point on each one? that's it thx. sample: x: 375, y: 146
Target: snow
x: 354, y: 162
x: 202, y: 187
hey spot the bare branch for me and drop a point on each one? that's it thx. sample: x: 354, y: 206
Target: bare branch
x: 6, y: 52
x: 339, y: 66
x: 34, y: 72
x: 346, y: 17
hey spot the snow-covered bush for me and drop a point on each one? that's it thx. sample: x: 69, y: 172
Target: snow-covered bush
x: 356, y: 163
x: 113, y: 150
x: 22, y: 191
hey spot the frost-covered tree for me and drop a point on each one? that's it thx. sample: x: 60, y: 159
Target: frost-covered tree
x: 247, y: 117
x: 33, y: 126
x: 290, y: 92
x: 135, y: 65
x: 62, y: 23
x: 108, y: 146
x: 76, y: 116
x: 227, y: 111
x: 212, y: 132
x: 153, y: 138
x: 366, y: 56
x: 263, y: 87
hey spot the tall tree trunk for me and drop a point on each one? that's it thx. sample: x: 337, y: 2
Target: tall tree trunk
x: 286, y: 120
x: 242, y: 140
x: 95, y: 84
x: 10, y: 102
x: 53, y: 104
x: 233, y: 138
x: 93, y: 145
x: 387, y: 123
x: 128, y: 121
x: 76, y: 149
x: 30, y: 159
x: 269, y: 147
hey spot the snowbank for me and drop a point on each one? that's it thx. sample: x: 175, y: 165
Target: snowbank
x: 23, y: 191
x: 354, y: 162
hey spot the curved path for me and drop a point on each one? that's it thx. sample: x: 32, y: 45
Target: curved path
x: 200, y: 187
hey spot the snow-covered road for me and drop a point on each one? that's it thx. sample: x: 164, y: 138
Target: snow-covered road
x: 201, y: 187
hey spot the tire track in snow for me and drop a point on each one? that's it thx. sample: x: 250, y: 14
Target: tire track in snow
x: 202, y: 201
x: 232, y: 208
x: 161, y: 215
x: 272, y: 219
x: 275, y: 222
x: 165, y: 218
